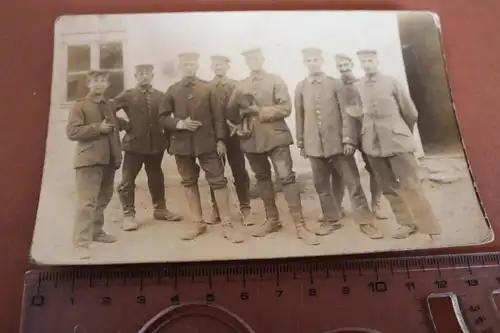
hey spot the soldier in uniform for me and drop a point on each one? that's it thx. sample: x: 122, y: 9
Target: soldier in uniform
x: 193, y: 115
x: 224, y: 88
x: 269, y: 142
x: 384, y: 133
x: 344, y: 66
x: 144, y: 144
x: 93, y: 125
x: 319, y: 111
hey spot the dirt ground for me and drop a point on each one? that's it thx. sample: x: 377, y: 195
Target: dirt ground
x: 446, y: 181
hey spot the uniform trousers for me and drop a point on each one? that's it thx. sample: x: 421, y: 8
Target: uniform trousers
x: 338, y: 186
x: 281, y: 159
x: 132, y: 165
x: 94, y: 190
x: 346, y: 167
x: 210, y: 163
x: 402, y: 187
x: 236, y: 159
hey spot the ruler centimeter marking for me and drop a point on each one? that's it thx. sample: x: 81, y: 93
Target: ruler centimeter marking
x: 472, y: 280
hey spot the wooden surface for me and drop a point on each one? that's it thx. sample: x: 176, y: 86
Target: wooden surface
x: 470, y: 30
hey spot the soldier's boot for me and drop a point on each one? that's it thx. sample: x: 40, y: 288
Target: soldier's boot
x: 405, y: 231
x: 246, y: 216
x: 127, y: 200
x: 292, y: 197
x: 272, y: 222
x: 129, y: 223
x: 377, y: 210
x: 82, y: 252
x: 215, y: 215
x: 371, y: 231
x: 161, y: 212
x: 228, y: 229
x: 103, y: 237
x: 196, y: 225
x: 302, y: 233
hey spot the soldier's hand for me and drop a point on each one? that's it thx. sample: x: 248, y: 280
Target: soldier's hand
x: 303, y: 153
x: 189, y: 124
x: 349, y: 149
x: 221, y: 148
x: 106, y: 127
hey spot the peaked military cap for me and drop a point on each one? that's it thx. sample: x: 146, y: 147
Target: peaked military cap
x: 366, y: 52
x: 312, y: 51
x: 193, y: 56
x: 93, y: 73
x: 220, y: 58
x: 251, y: 52
x: 342, y: 56
x: 144, y: 67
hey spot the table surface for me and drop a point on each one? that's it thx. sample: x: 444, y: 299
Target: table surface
x: 470, y: 32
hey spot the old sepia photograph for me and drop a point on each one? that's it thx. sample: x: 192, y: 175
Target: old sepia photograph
x: 181, y: 137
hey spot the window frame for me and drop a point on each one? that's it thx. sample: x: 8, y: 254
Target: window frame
x: 94, y: 40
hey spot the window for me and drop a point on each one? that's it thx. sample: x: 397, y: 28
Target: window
x: 81, y: 57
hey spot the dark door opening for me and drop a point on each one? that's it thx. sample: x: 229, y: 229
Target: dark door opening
x: 428, y: 83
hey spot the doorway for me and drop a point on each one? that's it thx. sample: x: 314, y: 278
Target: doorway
x: 428, y: 83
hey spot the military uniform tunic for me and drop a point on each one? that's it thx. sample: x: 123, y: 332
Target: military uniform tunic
x: 144, y: 135
x: 319, y: 111
x: 269, y: 129
x: 144, y: 143
x: 195, y: 98
x: 388, y: 115
x: 97, y: 157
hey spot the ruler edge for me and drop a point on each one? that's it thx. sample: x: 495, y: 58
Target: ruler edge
x: 441, y: 261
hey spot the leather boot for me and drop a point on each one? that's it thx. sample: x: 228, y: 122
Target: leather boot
x: 196, y: 225
x: 228, y: 229
x: 162, y: 213
x: 215, y: 215
x: 377, y: 210
x: 292, y: 197
x: 272, y: 222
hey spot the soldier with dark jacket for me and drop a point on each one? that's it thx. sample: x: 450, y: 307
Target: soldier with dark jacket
x: 194, y: 117
x: 144, y: 143
x: 93, y: 125
x: 224, y: 88
x: 344, y: 65
x: 269, y: 142
x: 384, y: 132
x: 319, y: 108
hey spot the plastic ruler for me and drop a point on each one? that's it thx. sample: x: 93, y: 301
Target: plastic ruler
x: 445, y: 294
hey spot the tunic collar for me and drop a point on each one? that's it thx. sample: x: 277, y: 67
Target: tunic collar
x: 96, y: 98
x: 258, y: 75
x: 373, y: 77
x: 316, y: 77
x: 348, y: 78
x: 145, y: 88
x: 189, y: 80
x: 220, y: 80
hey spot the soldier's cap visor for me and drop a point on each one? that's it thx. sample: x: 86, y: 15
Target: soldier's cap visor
x: 342, y: 56
x: 312, y: 52
x: 189, y: 56
x: 367, y: 52
x: 220, y: 58
x: 94, y: 73
x: 251, y: 52
x: 144, y: 67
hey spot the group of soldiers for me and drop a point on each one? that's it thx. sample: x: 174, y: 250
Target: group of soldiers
x: 206, y: 124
